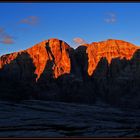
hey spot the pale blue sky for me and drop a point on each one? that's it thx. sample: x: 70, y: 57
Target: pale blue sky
x: 22, y: 25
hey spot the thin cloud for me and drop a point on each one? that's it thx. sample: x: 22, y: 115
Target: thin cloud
x: 1, y: 30
x: 30, y: 20
x: 2, y: 33
x: 79, y: 41
x: 111, y: 17
x: 5, y: 38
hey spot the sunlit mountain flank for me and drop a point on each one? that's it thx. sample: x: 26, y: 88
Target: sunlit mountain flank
x: 52, y: 70
x: 69, y: 70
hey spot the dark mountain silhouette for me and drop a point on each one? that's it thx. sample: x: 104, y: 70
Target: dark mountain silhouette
x: 17, y: 78
x: 51, y: 70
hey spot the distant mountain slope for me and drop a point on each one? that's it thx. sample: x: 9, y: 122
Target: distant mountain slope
x: 52, y: 70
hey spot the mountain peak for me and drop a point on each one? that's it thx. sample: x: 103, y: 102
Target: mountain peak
x: 50, y: 54
x: 106, y: 69
x: 54, y: 51
x: 53, y: 55
x: 108, y: 49
x: 114, y: 42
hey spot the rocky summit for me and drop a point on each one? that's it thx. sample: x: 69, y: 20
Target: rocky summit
x: 52, y: 70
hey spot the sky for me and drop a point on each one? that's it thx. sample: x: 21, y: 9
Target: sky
x: 23, y: 25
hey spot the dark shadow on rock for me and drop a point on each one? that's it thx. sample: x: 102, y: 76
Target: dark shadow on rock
x: 48, y: 49
x: 67, y: 87
x: 82, y: 61
x: 118, y: 83
x: 17, y: 78
x: 46, y: 82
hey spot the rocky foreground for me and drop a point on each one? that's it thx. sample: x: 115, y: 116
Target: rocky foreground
x: 36, y: 118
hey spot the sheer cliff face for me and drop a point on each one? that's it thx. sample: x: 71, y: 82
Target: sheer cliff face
x: 109, y: 49
x: 53, y: 70
x: 58, y: 53
x: 6, y: 59
x: 53, y: 50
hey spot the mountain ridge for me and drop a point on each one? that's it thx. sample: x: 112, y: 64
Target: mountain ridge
x: 93, y: 50
x: 52, y: 70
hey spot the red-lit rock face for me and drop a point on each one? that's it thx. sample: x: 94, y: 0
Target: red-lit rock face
x: 109, y: 49
x: 58, y: 53
x: 6, y: 59
x: 39, y: 57
x: 62, y: 63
